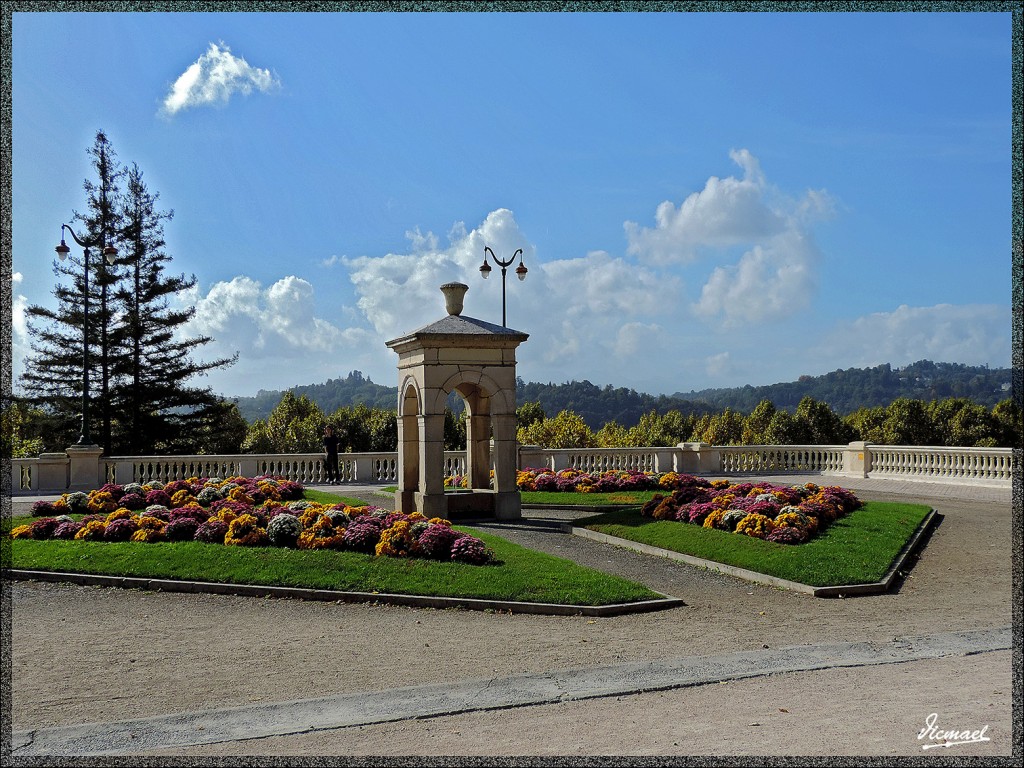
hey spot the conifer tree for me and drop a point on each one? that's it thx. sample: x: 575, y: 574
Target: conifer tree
x: 54, y: 374
x: 139, y: 358
x: 160, y: 411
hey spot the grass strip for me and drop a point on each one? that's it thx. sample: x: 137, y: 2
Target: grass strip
x: 577, y: 499
x: 855, y: 549
x: 522, y: 575
x: 327, y: 498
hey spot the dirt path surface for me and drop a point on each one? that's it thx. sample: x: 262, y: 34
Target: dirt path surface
x: 122, y: 654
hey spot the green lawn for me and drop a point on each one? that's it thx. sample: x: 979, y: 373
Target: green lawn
x: 856, y: 549
x: 522, y: 575
x: 576, y: 499
x: 573, y: 498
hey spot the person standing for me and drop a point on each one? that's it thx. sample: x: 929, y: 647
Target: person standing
x: 331, y: 451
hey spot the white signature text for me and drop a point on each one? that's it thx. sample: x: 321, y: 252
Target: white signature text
x: 948, y: 738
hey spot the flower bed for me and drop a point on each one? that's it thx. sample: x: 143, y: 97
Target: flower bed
x: 779, y: 513
x: 246, y: 512
x: 574, y: 480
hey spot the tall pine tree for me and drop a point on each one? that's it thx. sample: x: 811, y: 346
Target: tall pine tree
x: 159, y: 410
x: 140, y: 361
x: 54, y: 376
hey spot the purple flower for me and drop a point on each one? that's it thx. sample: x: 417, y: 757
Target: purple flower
x: 181, y: 529
x: 44, y: 527
x: 212, y: 532
x: 469, y: 549
x: 176, y: 485
x: 238, y: 507
x: 362, y: 536
x: 132, y: 501
x: 697, y: 512
x: 163, y: 498
x: 67, y: 530
x: 198, y: 514
x: 121, y: 530
x: 114, y: 490
x: 289, y: 490
x: 787, y: 535
x: 546, y: 482
x: 437, y: 540
x: 43, y: 508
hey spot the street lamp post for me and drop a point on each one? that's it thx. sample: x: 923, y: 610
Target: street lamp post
x: 110, y: 254
x: 521, y: 270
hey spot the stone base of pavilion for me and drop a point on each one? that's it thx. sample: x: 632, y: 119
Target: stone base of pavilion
x: 463, y: 504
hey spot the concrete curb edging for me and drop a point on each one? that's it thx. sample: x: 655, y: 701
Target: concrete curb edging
x: 871, y: 588
x: 330, y: 595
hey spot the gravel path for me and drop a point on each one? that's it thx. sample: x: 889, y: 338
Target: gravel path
x: 122, y: 654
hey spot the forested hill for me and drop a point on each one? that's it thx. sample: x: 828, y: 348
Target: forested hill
x: 846, y: 391
x: 333, y: 394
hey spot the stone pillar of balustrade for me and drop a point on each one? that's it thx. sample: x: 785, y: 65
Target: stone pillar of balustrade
x: 710, y: 461
x: 247, y: 466
x: 687, y: 458
x: 559, y: 461
x: 85, y: 472
x: 124, y: 472
x: 857, y: 459
x: 532, y: 457
x: 51, y: 472
x: 699, y: 459
x: 665, y: 460
x: 362, y: 469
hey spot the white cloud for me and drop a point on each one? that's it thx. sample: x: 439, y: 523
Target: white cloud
x: 768, y: 283
x: 974, y: 334
x: 280, y: 340
x: 20, y: 347
x: 214, y: 77
x: 276, y: 322
x: 719, y: 365
x: 580, y: 313
x: 727, y: 212
x: 400, y: 292
x: 774, y: 277
x: 635, y: 340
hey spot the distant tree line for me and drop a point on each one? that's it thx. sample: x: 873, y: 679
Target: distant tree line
x: 296, y: 425
x: 949, y: 422
x: 853, y: 388
x: 845, y: 391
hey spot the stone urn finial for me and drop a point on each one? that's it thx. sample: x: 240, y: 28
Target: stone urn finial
x: 454, y: 293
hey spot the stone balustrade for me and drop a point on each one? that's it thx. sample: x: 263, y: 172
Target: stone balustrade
x: 79, y: 469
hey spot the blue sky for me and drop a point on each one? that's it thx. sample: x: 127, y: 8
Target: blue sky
x: 703, y: 199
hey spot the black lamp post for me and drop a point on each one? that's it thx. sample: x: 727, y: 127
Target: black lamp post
x: 521, y: 270
x: 110, y: 254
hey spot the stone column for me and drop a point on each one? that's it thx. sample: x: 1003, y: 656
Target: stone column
x: 85, y: 467
x: 408, y: 464
x: 430, y: 499
x: 507, y: 501
x: 478, y: 451
x: 688, y: 458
